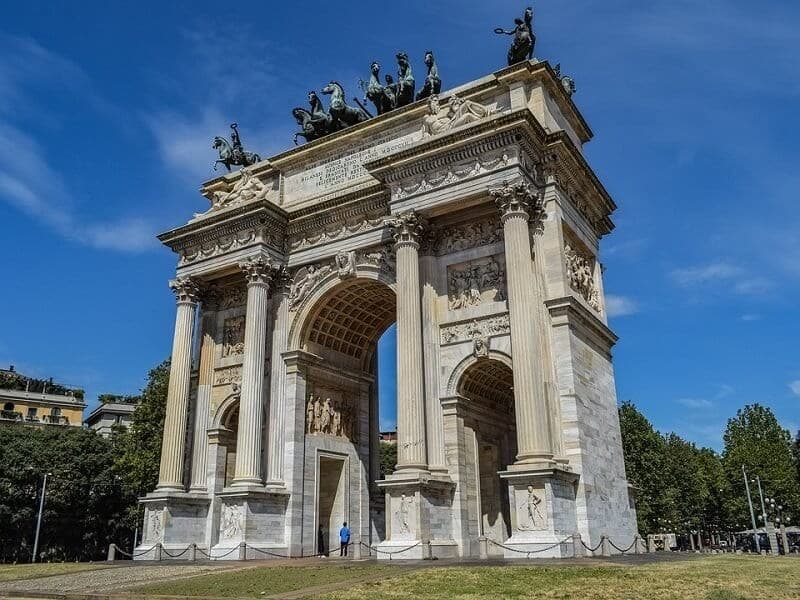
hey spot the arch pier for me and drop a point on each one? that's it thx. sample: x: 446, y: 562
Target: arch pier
x: 477, y: 232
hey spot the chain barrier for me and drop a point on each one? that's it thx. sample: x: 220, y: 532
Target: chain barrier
x: 135, y: 554
x: 389, y: 554
x: 529, y: 552
x: 179, y: 554
x: 620, y: 549
x: 600, y: 543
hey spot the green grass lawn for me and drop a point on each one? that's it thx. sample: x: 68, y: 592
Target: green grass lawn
x: 702, y: 578
x: 707, y: 578
x: 250, y: 583
x: 10, y: 572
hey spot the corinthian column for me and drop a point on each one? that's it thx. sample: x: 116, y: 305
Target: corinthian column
x: 518, y: 204
x: 411, y: 454
x: 258, y: 272
x: 205, y: 379
x: 277, y: 395
x: 174, y: 441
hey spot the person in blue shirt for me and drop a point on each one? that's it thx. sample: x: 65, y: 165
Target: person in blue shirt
x: 344, y: 539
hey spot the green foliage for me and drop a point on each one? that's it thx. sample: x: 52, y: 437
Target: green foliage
x: 754, y: 439
x: 85, y: 505
x: 138, y: 449
x: 11, y: 380
x: 388, y: 458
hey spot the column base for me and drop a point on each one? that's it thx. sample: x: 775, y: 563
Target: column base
x: 543, y: 511
x: 251, y: 523
x: 418, y: 523
x: 173, y: 521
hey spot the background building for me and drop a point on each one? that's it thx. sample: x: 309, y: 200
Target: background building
x: 110, y: 413
x: 29, y: 401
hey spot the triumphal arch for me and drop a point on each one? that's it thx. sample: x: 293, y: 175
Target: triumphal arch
x: 476, y: 230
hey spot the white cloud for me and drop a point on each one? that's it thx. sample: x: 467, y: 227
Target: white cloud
x: 700, y: 275
x: 795, y: 387
x: 27, y: 180
x: 754, y: 286
x: 695, y: 402
x: 747, y: 317
x: 620, y: 306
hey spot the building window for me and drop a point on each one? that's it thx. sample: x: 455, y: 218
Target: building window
x: 31, y: 413
x: 55, y: 412
x: 8, y: 406
x: 118, y: 419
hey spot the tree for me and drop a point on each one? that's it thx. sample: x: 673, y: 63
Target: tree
x: 85, y: 507
x: 388, y: 458
x: 138, y: 449
x: 754, y: 439
x: 644, y: 449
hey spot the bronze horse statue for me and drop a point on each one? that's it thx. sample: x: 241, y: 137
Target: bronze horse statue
x: 230, y: 156
x: 342, y: 114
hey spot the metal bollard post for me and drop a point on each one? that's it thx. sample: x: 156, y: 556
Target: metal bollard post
x: 112, y: 552
x: 637, y: 548
x: 193, y: 552
x: 158, y: 551
x: 577, y: 546
x: 605, y: 549
x: 242, y: 551
x: 357, y: 550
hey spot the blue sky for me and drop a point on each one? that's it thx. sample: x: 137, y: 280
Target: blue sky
x: 107, y: 111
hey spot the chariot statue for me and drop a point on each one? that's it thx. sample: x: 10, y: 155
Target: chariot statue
x: 233, y: 153
x: 342, y: 114
x: 524, y: 39
x: 433, y: 84
x: 404, y: 88
x: 381, y: 96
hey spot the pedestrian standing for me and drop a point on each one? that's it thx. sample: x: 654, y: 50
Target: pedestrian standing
x: 344, y: 539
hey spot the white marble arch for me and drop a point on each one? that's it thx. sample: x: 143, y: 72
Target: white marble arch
x: 454, y: 378
x: 309, y: 307
x: 224, y: 410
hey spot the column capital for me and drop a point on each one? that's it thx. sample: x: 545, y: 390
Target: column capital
x: 408, y: 228
x: 258, y: 270
x: 186, y: 290
x: 517, y: 200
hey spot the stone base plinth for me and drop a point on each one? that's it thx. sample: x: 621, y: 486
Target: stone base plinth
x: 538, y: 546
x: 173, y: 521
x: 418, y: 518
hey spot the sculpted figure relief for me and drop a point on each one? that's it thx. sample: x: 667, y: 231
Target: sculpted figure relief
x: 532, y: 517
x: 304, y: 281
x: 580, y: 276
x: 456, y: 113
x: 233, y: 336
x: 468, y: 284
x: 246, y: 189
x: 231, y: 521
x: 335, y: 417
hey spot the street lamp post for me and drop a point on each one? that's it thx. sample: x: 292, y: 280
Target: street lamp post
x: 752, y: 513
x: 39, y: 519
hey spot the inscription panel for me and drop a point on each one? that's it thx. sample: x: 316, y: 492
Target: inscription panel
x: 344, y: 166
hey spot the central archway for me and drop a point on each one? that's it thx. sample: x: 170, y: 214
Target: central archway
x: 487, y: 389
x: 340, y: 329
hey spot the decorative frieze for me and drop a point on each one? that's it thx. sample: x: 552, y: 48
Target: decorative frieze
x: 337, y: 417
x: 223, y: 244
x: 484, y: 328
x: 472, y: 283
x: 384, y: 258
x: 232, y: 297
x: 336, y: 231
x: 432, y: 180
x: 468, y: 235
x: 228, y: 375
x: 580, y: 274
x: 233, y: 336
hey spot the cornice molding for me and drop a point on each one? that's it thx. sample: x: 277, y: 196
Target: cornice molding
x: 568, y: 311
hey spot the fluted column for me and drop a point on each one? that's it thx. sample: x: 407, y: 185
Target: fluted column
x: 411, y: 452
x: 277, y: 394
x: 174, y: 441
x: 430, y: 339
x: 518, y: 205
x: 205, y: 381
x: 258, y: 272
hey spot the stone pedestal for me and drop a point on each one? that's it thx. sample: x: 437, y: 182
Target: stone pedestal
x: 254, y: 518
x: 543, y: 520
x: 418, y: 517
x: 173, y: 521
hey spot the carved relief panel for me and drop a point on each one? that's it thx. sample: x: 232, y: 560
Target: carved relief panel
x: 332, y: 413
x: 531, y: 507
x: 403, y: 515
x: 233, y: 336
x: 230, y: 524
x: 580, y: 267
x: 481, y: 232
x: 475, y: 282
